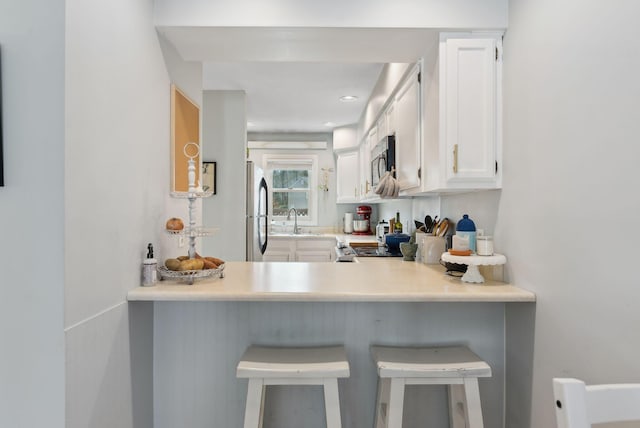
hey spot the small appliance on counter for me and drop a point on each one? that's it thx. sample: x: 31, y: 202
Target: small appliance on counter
x: 362, y: 226
x: 381, y: 230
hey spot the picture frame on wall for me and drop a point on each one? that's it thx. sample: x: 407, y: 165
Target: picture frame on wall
x: 209, y: 177
x: 185, y: 131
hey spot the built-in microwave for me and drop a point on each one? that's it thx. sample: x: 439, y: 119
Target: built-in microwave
x: 383, y: 158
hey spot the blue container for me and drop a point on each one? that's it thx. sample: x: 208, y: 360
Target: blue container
x: 467, y: 228
x: 393, y: 241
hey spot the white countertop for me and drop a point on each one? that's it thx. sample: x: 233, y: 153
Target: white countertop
x: 380, y: 280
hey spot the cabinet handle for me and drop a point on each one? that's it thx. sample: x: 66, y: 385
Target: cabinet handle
x: 366, y: 188
x: 455, y: 159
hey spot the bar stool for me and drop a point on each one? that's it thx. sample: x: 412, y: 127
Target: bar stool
x: 292, y: 366
x: 457, y: 367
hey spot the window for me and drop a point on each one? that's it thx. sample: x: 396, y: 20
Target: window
x: 292, y: 184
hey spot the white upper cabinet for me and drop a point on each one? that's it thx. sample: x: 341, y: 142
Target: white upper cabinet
x: 390, y: 119
x: 407, y: 120
x: 446, y: 115
x: 470, y: 108
x: 345, y: 137
x: 365, y: 164
x: 347, y: 176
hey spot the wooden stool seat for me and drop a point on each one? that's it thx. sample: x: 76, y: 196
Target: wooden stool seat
x: 292, y: 366
x: 457, y: 367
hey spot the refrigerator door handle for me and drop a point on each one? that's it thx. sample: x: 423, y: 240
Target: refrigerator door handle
x: 263, y: 187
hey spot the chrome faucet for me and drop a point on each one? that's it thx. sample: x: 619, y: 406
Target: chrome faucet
x: 295, y: 220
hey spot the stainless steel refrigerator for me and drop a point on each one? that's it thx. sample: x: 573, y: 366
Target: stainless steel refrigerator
x: 257, y: 213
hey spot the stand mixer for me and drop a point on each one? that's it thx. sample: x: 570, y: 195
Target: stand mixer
x: 364, y: 214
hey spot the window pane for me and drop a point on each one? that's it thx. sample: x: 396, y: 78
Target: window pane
x: 283, y: 201
x: 290, y: 179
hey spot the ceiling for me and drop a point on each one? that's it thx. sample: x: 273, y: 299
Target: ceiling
x: 294, y: 77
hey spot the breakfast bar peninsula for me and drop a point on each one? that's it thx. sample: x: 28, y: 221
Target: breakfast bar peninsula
x: 201, y: 330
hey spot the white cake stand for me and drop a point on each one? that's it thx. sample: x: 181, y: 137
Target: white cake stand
x: 473, y: 273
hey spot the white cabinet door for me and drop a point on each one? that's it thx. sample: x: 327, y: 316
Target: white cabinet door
x: 381, y: 128
x: 347, y: 176
x: 470, y: 109
x: 407, y: 124
x: 313, y: 256
x: 315, y: 250
x: 276, y: 256
x: 365, y: 164
x: 279, y: 250
x: 390, y: 119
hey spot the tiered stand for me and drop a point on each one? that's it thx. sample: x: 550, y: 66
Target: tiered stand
x: 192, y: 231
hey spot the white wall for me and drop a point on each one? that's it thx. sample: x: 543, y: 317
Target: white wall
x: 333, y: 13
x: 187, y: 76
x: 567, y: 213
x: 116, y: 182
x: 388, y: 80
x: 224, y: 137
x: 32, y: 213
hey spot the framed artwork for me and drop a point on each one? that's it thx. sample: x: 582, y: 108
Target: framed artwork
x: 209, y: 177
x: 185, y: 129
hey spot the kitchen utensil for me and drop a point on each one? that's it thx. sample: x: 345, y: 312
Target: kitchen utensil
x: 441, y: 228
x: 428, y: 224
x: 393, y: 240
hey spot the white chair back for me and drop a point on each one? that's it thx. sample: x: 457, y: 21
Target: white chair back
x: 580, y: 406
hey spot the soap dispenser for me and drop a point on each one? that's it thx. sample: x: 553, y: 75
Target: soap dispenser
x: 149, y: 268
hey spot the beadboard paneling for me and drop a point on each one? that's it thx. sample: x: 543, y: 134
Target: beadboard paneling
x: 109, y: 369
x: 198, y: 344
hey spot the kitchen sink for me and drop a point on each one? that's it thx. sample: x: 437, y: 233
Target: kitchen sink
x: 301, y: 235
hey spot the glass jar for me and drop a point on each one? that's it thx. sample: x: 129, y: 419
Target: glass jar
x: 484, y: 245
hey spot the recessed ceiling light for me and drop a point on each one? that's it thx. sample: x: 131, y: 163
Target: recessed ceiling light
x: 348, y: 98
x: 329, y: 124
